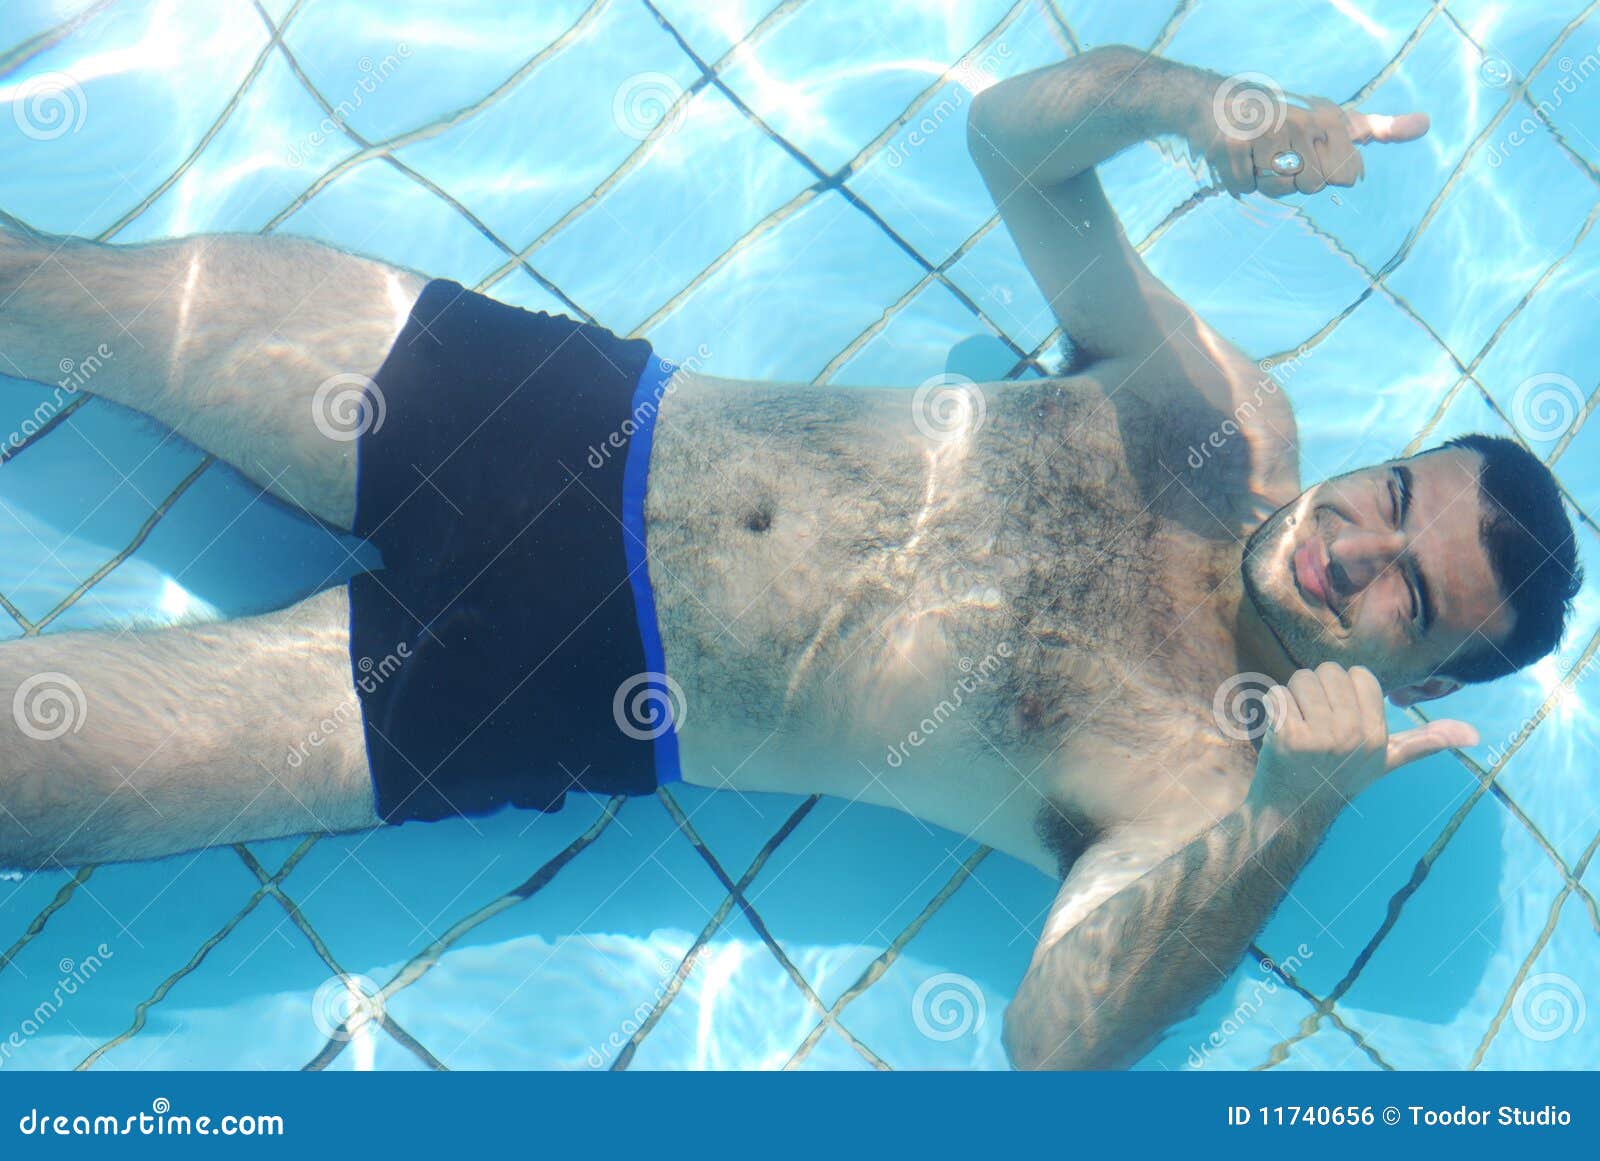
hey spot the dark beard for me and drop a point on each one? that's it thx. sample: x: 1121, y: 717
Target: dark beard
x: 1264, y: 607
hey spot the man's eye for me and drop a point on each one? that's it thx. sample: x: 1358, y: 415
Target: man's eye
x: 1394, y: 502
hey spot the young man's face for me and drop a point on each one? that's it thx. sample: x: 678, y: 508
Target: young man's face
x: 1382, y: 567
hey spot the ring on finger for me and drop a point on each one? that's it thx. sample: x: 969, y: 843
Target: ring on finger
x: 1287, y: 163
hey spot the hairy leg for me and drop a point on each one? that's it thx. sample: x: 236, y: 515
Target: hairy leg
x: 228, y: 339
x: 143, y: 744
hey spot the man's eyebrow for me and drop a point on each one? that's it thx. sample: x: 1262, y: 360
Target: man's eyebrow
x: 1424, y: 595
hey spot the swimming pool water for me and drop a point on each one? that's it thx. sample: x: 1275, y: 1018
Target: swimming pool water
x: 787, y: 185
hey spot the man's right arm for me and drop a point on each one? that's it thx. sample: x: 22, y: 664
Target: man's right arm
x: 1137, y: 939
x: 1036, y: 139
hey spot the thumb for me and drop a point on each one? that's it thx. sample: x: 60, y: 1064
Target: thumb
x: 1444, y: 734
x: 1366, y: 128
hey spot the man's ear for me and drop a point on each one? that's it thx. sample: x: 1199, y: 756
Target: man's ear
x: 1405, y: 695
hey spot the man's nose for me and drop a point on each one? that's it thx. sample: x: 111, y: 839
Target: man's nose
x: 1357, y: 558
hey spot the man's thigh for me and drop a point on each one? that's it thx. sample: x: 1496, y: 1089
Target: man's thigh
x: 135, y: 745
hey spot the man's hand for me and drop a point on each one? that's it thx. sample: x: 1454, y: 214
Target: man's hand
x: 1247, y: 123
x: 1328, y: 739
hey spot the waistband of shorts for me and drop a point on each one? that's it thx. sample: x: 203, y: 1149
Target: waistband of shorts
x: 661, y: 696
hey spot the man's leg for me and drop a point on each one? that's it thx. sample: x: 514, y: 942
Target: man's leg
x: 138, y: 745
x: 237, y: 342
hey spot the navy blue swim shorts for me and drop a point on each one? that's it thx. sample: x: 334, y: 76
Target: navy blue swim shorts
x: 508, y: 651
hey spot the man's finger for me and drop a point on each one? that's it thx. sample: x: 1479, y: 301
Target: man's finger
x: 1411, y: 745
x: 1379, y: 129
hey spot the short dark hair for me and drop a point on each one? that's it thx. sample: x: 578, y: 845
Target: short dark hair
x: 1532, y: 552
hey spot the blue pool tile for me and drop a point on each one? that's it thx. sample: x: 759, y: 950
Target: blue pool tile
x: 826, y: 266
x: 933, y: 334
x: 267, y: 154
x: 1093, y: 23
x: 1255, y: 271
x: 205, y: 561
x: 1234, y: 1028
x: 713, y: 30
x: 835, y: 75
x: 380, y: 897
x: 1467, y: 304
x: 1369, y: 854
x: 152, y: 71
x: 992, y: 276
x: 149, y: 919
x: 1368, y: 35
x: 523, y: 161
x: 921, y: 179
x: 1518, y: 35
x: 1564, y: 90
x: 926, y: 1013
x: 1551, y: 1022
x: 700, y: 188
x: 1354, y: 409
x: 393, y: 68
x: 378, y: 211
x: 1539, y: 371
x: 86, y: 490
x: 256, y: 1001
x: 1438, y: 76
x: 1328, y: 1049
x: 1430, y: 990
